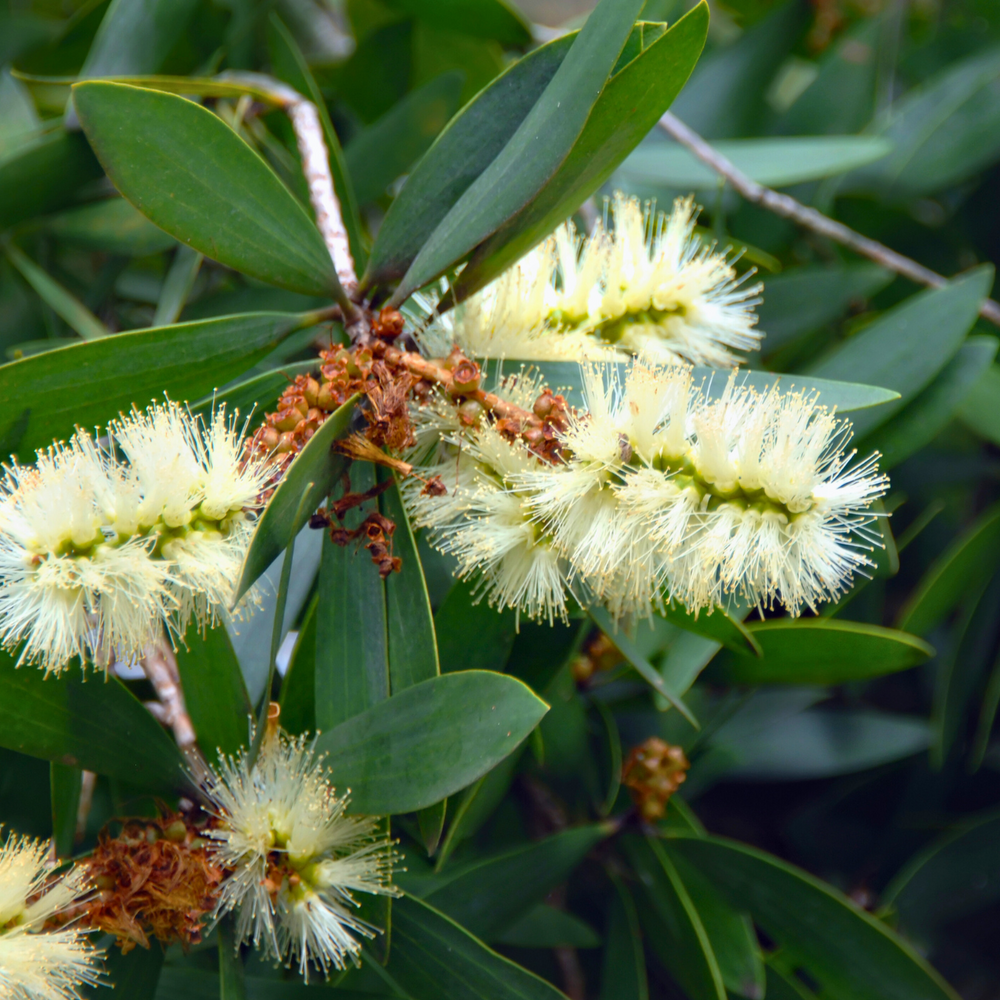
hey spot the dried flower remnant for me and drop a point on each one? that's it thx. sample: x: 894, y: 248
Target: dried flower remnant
x: 293, y: 856
x: 37, y: 963
x: 155, y: 879
x: 599, y: 654
x: 653, y: 771
x: 646, y: 284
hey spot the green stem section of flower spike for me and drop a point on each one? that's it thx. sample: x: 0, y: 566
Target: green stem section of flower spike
x: 684, y: 475
x: 163, y: 533
x: 612, y: 330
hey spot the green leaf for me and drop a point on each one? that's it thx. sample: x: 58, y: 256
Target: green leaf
x: 289, y: 64
x: 488, y: 895
x: 214, y: 691
x: 317, y: 464
x: 825, y: 651
x: 413, y: 655
x: 673, y: 926
x: 64, y: 786
x: 44, y: 176
x: 129, y: 976
x: 924, y: 417
x: 429, y: 741
x: 525, y: 164
x: 390, y: 146
x: 431, y: 823
x: 906, y: 347
x: 466, y: 147
x: 962, y: 676
x: 232, y: 975
x: 255, y: 395
x: 60, y: 301
x: 731, y: 933
x: 942, y: 132
x: 177, y: 286
x: 87, y: 384
x: 804, y: 299
x: 566, y: 377
x: 112, y: 226
x: 623, y: 974
x: 643, y: 667
x: 298, y: 689
x: 470, y: 634
x: 136, y: 36
x: 846, y: 949
x: 778, y: 162
x: 492, y: 19
x: 544, y: 926
x: 188, y: 172
x: 726, y: 96
x: 718, y: 625
x: 434, y: 959
x: 980, y: 409
x: 961, y: 569
x: 352, y: 654
x: 817, y: 743
x: 956, y: 874
x: 89, y: 723
x: 476, y: 804
x: 630, y: 105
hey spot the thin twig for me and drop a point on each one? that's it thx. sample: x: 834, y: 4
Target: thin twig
x: 160, y: 667
x: 809, y: 218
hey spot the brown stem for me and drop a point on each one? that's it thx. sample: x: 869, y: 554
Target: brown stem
x: 160, y: 667
x: 422, y: 368
x: 788, y: 208
x: 87, y: 782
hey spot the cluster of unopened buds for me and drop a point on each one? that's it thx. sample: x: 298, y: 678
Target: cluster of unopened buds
x: 653, y: 771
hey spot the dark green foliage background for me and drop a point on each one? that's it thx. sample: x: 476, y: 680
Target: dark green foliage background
x: 842, y: 813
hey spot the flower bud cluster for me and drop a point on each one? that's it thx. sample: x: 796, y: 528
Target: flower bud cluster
x: 646, y: 284
x: 663, y: 492
x: 293, y: 856
x: 101, y: 545
x: 41, y: 957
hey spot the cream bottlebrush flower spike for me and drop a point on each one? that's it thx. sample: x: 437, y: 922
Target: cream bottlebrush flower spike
x: 666, y: 494
x: 294, y: 857
x: 98, y: 555
x: 192, y: 488
x: 35, y: 963
x: 649, y: 284
x: 482, y: 520
x: 73, y: 580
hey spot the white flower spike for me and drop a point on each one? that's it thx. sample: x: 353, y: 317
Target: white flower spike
x: 294, y: 856
x: 35, y: 963
x: 646, y: 284
x: 665, y: 493
x: 98, y: 555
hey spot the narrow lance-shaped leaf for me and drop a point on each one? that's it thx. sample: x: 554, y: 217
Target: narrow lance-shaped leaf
x: 849, y: 951
x: 89, y: 383
x: 188, y: 172
x: 316, y: 464
x: 90, y: 723
x: 352, y: 656
x: 629, y: 107
x: 534, y: 152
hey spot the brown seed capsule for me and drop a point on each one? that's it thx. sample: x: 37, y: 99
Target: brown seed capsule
x: 310, y: 391
x: 469, y: 413
x: 466, y: 378
x: 287, y: 419
x: 269, y: 438
x: 286, y: 442
x: 653, y: 772
x: 176, y: 831
x: 325, y: 398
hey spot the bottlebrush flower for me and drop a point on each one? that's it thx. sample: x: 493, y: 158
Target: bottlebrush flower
x: 71, y: 584
x: 647, y: 284
x: 35, y: 963
x: 294, y: 857
x: 664, y: 493
x: 192, y: 487
x: 97, y: 555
